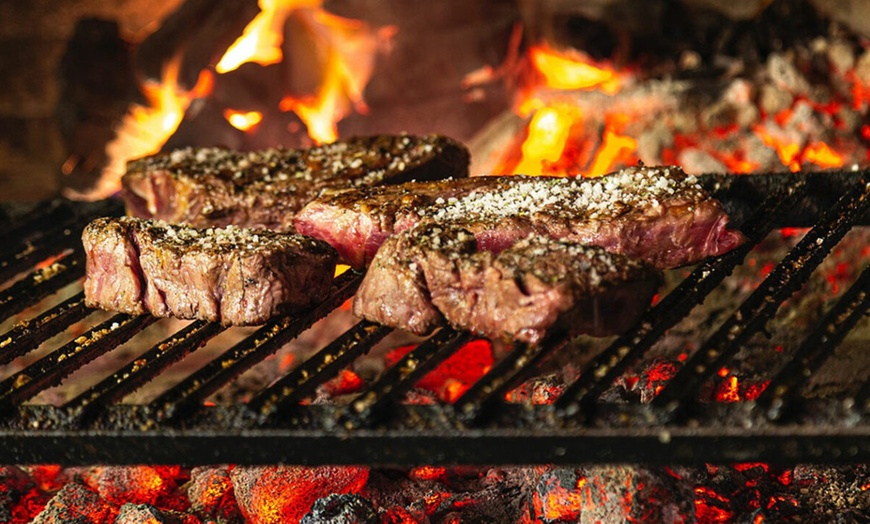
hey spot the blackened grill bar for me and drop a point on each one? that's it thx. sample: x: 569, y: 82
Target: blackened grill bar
x: 377, y: 428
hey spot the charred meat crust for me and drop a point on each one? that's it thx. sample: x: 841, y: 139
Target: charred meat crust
x: 432, y: 275
x: 207, y: 187
x: 230, y: 275
x: 657, y: 214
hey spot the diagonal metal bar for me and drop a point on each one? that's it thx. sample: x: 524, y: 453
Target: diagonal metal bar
x: 786, y: 278
x: 508, y: 373
x: 777, y: 401
x: 41, y: 283
x: 196, y: 388
x: 401, y: 377
x: 324, y: 365
x: 600, y: 372
x: 143, y: 369
x: 53, y: 368
x: 27, y: 335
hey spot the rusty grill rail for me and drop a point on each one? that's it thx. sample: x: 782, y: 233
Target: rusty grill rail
x: 377, y: 427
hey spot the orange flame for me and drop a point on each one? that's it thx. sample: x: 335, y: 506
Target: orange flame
x: 553, y: 125
x: 144, y: 129
x: 345, y: 52
x: 822, y: 155
x: 613, y: 147
x: 261, y: 41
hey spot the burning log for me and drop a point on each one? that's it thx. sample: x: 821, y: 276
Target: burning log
x: 76, y: 503
x: 201, y: 30
x: 275, y: 494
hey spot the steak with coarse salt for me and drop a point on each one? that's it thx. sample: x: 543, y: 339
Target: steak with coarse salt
x: 230, y: 275
x: 216, y: 187
x: 431, y: 275
x: 657, y: 214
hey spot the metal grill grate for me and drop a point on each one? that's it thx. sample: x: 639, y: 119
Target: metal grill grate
x: 377, y: 427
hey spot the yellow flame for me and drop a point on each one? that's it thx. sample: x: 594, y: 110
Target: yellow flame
x: 548, y: 133
x: 144, y: 129
x: 261, y: 41
x: 243, y: 120
x: 572, y: 70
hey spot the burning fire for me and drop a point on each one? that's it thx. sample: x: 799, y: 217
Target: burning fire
x: 569, y: 133
x: 344, y: 57
x: 145, y: 129
x: 344, y: 54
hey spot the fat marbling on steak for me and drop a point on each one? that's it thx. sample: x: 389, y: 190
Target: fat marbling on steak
x: 230, y: 275
x: 214, y: 186
x: 429, y: 275
x: 657, y: 214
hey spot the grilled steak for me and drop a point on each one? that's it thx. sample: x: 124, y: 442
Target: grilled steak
x: 234, y: 276
x: 218, y: 187
x: 658, y: 214
x: 431, y: 274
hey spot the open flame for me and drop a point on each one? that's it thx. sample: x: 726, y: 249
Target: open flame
x: 344, y: 52
x: 570, y: 132
x: 344, y: 49
x: 144, y: 129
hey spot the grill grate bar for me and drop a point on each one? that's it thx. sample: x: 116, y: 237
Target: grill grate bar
x: 34, y: 252
x: 54, y: 367
x: 144, y: 368
x: 31, y: 223
x: 401, y: 377
x: 28, y: 334
x: 597, y: 375
x: 777, y: 401
x: 508, y: 373
x: 680, y: 393
x: 319, y: 368
x: 41, y: 283
x: 196, y: 388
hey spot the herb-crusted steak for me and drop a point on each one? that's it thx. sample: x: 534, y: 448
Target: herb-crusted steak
x: 429, y: 275
x: 234, y: 276
x: 657, y: 214
x: 208, y: 187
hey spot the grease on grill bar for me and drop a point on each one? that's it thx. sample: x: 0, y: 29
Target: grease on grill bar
x: 379, y: 427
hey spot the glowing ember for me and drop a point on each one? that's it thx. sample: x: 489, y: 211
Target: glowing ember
x: 454, y: 376
x: 711, y: 506
x: 560, y: 504
x: 428, y: 473
x: 243, y: 120
x: 731, y: 390
x: 346, y: 382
